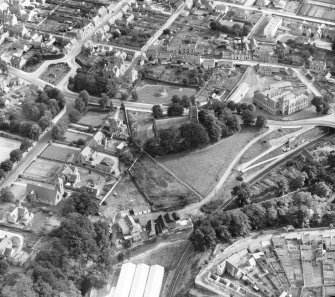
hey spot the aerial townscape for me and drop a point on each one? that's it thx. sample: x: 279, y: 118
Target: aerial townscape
x: 167, y: 148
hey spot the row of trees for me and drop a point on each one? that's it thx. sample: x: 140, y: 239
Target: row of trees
x: 80, y: 255
x: 14, y: 156
x: 235, y: 30
x: 300, y: 210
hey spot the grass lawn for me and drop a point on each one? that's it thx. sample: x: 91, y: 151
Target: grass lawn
x: 93, y: 118
x: 202, y: 169
x: 59, y: 152
x: 55, y: 73
x: 124, y: 197
x: 263, y: 144
x: 163, y: 190
x: 73, y: 136
x: 151, y: 93
x: 43, y: 169
x: 7, y: 145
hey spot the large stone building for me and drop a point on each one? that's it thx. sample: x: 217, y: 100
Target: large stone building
x: 280, y: 101
x: 271, y: 28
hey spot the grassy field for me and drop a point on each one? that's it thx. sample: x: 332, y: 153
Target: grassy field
x: 151, y: 94
x: 163, y: 190
x: 72, y: 136
x: 43, y: 169
x: 263, y: 144
x: 124, y: 197
x: 202, y: 169
x: 59, y: 153
x: 93, y: 118
x: 7, y: 145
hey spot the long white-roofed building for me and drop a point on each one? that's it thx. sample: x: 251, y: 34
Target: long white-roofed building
x: 139, y: 280
x: 125, y: 280
x: 154, y: 281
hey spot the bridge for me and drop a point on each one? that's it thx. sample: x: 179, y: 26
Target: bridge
x: 325, y: 121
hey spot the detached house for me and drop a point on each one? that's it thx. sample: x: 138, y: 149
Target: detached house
x: 317, y: 66
x: 87, y: 156
x: 97, y: 140
x: 71, y: 175
x: 19, y: 214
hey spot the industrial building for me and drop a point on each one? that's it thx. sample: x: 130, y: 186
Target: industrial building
x: 138, y: 281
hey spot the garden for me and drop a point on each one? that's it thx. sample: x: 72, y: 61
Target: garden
x: 163, y: 190
x: 59, y: 152
x: 8, y: 145
x: 93, y: 118
x: 55, y: 73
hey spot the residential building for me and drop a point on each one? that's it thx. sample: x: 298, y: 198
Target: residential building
x: 208, y: 64
x: 19, y: 214
x: 98, y: 140
x: 5, y: 244
x: 87, y: 156
x: 279, y: 4
x: 71, y: 175
x: 129, y: 228
x: 317, y: 66
x: 271, y: 28
x: 47, y: 193
x: 106, y: 165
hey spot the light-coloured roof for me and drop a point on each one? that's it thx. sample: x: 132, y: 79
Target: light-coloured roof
x: 125, y: 280
x: 154, y: 281
x: 139, y: 280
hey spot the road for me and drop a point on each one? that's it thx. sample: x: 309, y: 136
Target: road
x: 279, y: 13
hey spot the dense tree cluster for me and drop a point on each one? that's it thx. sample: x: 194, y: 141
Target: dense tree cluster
x: 79, y: 257
x: 39, y: 114
x: 59, y: 129
x: 322, y: 104
x: 235, y: 30
x: 301, y: 210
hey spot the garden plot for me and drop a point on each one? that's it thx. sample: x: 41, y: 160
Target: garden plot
x: 93, y: 118
x: 7, y: 145
x: 74, y: 136
x: 43, y: 170
x: 60, y: 152
x: 55, y: 73
x: 162, y: 189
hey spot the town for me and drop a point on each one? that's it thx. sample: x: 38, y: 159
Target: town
x: 165, y: 148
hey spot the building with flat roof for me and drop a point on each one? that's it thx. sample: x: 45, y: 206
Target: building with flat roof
x: 271, y: 28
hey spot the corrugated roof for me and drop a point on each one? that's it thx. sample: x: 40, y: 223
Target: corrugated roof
x: 139, y: 280
x: 125, y: 280
x: 154, y: 282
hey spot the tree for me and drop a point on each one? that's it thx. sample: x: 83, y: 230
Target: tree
x: 260, y: 122
x: 85, y: 96
x: 82, y: 202
x: 26, y: 144
x: 2, y: 173
x: 175, y: 99
x: 30, y: 130
x: 298, y: 182
x: 134, y: 96
x: 3, y: 267
x: 157, y: 111
x: 45, y: 120
x: 321, y: 189
x: 185, y: 101
x: 127, y: 157
x: 15, y: 155
x: 203, y: 238
x: 194, y: 135
x: 58, y: 130
x: 243, y: 194
x: 14, y: 126
x: 213, y: 127
x: 256, y: 214
x: 282, y: 186
x: 74, y: 115
x: 175, y: 110
x: 248, y: 117
x: 6, y: 195
x: 103, y: 101
x: 231, y: 105
x: 318, y: 103
x: 186, y: 81
x: 6, y: 165
x: 79, y: 104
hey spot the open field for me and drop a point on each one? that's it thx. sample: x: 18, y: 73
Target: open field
x: 263, y: 144
x: 93, y: 118
x: 59, y: 152
x: 124, y: 197
x: 7, y: 145
x: 43, y: 169
x: 73, y: 136
x: 55, y: 73
x: 152, y: 94
x: 163, y: 190
x: 202, y: 169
